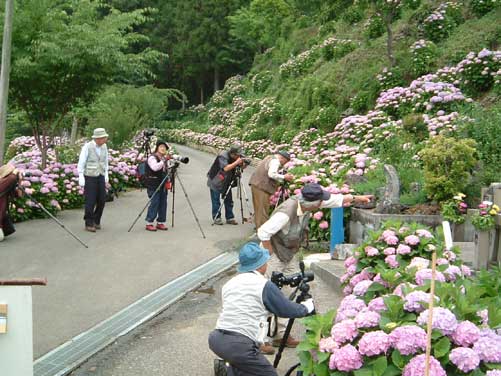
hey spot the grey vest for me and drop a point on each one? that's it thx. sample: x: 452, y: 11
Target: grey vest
x: 286, y: 244
x: 260, y: 178
x: 95, y: 164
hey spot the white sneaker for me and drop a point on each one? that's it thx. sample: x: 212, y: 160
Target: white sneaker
x: 2, y: 237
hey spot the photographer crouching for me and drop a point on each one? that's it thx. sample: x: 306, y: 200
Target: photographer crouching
x: 248, y: 300
x: 156, y: 170
x: 10, y: 177
x: 221, y: 178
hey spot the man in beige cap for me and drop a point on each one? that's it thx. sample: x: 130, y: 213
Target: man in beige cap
x: 93, y: 176
x: 9, y: 177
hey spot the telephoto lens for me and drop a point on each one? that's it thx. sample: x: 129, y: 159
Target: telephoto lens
x: 180, y: 158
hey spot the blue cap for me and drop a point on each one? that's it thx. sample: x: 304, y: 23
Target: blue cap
x: 252, y: 257
x: 314, y: 192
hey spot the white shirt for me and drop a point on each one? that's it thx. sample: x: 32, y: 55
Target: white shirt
x: 280, y: 221
x: 273, y: 170
x: 84, y: 154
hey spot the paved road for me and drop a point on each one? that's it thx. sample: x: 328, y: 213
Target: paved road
x: 87, y: 286
x: 175, y: 342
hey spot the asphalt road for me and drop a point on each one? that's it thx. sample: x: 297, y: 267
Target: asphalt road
x: 86, y: 286
x: 175, y: 342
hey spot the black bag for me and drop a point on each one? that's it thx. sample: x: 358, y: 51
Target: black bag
x: 8, y: 225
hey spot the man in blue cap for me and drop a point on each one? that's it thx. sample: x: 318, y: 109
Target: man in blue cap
x: 248, y: 300
x: 283, y: 233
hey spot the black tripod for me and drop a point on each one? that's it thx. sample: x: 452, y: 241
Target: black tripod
x: 282, y: 195
x: 236, y: 182
x: 51, y: 216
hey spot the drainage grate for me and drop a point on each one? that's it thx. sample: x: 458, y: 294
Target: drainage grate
x: 71, y: 354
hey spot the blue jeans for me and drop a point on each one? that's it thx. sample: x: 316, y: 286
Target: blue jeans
x: 215, y: 198
x: 158, y: 206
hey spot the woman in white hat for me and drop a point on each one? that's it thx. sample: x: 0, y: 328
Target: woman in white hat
x: 9, y: 178
x: 93, y: 176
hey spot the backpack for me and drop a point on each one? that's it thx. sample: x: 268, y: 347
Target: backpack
x: 141, y: 173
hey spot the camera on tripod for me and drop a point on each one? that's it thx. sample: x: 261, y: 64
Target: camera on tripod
x: 293, y: 280
x: 180, y: 158
x: 148, y: 133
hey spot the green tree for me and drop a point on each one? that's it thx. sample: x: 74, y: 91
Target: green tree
x: 66, y: 52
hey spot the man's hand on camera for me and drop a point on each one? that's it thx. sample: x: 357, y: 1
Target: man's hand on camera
x: 310, y: 306
x: 288, y: 177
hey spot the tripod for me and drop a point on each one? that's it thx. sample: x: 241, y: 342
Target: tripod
x: 236, y: 182
x: 172, y: 174
x: 281, y: 195
x: 51, y: 216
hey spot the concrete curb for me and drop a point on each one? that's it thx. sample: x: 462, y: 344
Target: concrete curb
x: 330, y: 272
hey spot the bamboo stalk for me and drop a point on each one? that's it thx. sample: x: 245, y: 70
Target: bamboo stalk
x: 430, y: 313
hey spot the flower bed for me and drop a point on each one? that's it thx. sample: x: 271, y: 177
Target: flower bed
x: 380, y: 326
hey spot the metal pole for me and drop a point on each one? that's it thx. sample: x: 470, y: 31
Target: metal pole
x: 5, y: 73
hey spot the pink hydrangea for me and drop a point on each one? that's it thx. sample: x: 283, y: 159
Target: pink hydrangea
x: 465, y: 270
x: 443, y: 320
x: 344, y: 331
x: 494, y: 372
x: 327, y: 345
x: 318, y: 215
x: 398, y: 290
x: 408, y: 339
x: 391, y: 260
x: 361, y: 287
x: 323, y: 225
x: 412, y: 239
x: 424, y: 233
x: 389, y: 251
x: 377, y: 305
x: 350, y: 261
x: 464, y: 359
x: 419, y: 263
x: 416, y: 301
x: 346, y: 359
x: 391, y: 240
x: 352, y: 302
x: 374, y: 343
x: 425, y: 274
x: 417, y: 366
x: 367, y: 319
x: 403, y: 249
x: 452, y: 272
x: 371, y: 251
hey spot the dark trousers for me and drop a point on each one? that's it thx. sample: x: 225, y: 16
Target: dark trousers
x: 241, y: 352
x: 6, y: 185
x: 158, y: 205
x: 95, y: 198
x: 215, y: 198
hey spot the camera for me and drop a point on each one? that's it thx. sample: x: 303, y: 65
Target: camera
x: 180, y: 158
x: 293, y: 280
x: 247, y: 161
x: 148, y: 132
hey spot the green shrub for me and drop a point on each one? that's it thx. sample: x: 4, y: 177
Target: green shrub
x: 424, y: 56
x: 481, y: 7
x: 447, y: 164
x: 441, y: 22
x: 353, y: 14
x: 374, y: 27
x: 415, y: 126
x: 411, y: 4
x: 390, y: 78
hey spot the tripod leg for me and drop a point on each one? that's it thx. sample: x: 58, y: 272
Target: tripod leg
x: 240, y: 197
x: 191, y: 206
x: 282, y: 344
x: 173, y: 199
x: 218, y: 214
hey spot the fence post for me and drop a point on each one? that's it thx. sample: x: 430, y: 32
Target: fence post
x: 337, y: 228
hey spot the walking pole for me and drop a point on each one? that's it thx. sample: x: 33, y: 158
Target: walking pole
x: 173, y: 190
x: 51, y: 216
x: 189, y: 203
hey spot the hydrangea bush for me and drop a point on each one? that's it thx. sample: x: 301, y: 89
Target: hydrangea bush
x: 379, y: 327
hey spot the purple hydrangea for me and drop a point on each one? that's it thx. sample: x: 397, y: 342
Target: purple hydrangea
x: 374, y: 343
x: 466, y: 334
x: 417, y: 366
x: 398, y: 290
x: 344, y: 331
x: 346, y: 359
x: 350, y: 261
x: 361, y: 288
x: 488, y: 348
x: 494, y: 372
x: 464, y: 358
x: 425, y: 274
x: 443, y: 320
x: 389, y: 251
x: 466, y: 270
x: 452, y: 272
x: 371, y: 251
x: 403, y: 249
x: 377, y: 305
x: 391, y: 240
x: 416, y: 301
x: 352, y: 302
x: 367, y: 319
x: 408, y: 339
x: 327, y: 345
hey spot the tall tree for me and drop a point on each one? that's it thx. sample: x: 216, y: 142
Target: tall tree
x: 5, y: 73
x: 66, y: 52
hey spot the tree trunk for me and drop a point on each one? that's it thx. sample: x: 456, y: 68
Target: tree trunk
x: 389, y: 42
x: 74, y: 130
x: 201, y: 95
x: 43, y: 148
x: 216, y: 79
x: 5, y: 73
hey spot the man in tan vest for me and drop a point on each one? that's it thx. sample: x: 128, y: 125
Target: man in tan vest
x: 283, y: 233
x: 93, y: 176
x: 264, y: 182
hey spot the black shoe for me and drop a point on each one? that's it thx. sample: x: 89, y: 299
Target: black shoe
x: 220, y: 367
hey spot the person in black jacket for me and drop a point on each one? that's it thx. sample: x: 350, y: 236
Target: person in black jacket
x: 155, y: 172
x: 220, y: 176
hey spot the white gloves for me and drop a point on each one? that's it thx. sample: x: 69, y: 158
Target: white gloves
x: 308, y: 303
x: 81, y: 180
x: 106, y: 179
